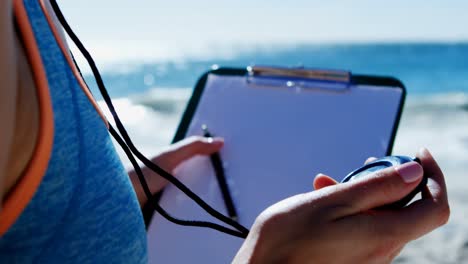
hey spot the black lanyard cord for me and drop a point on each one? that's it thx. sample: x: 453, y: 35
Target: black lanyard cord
x: 156, y: 206
x: 130, y: 148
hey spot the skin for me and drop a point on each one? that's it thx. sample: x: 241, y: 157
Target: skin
x: 308, y: 227
x: 8, y: 92
x: 27, y: 120
x: 18, y: 106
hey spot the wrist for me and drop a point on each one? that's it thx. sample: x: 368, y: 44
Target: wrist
x: 259, y: 246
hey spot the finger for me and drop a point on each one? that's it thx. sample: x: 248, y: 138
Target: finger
x: 378, y: 189
x: 189, y: 148
x: 425, y: 192
x: 436, y: 182
x: 411, y: 222
x: 433, y: 209
x: 369, y: 160
x: 322, y: 181
x: 422, y: 216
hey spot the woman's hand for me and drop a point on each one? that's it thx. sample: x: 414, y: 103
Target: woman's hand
x: 172, y: 157
x: 337, y: 223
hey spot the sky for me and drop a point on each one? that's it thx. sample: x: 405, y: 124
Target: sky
x: 116, y: 30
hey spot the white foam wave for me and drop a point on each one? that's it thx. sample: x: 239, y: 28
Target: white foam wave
x: 164, y: 100
x: 151, y: 119
x: 439, y: 101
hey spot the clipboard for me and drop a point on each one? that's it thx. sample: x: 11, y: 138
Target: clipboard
x: 281, y: 126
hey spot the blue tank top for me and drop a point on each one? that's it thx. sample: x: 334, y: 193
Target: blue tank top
x: 85, y: 209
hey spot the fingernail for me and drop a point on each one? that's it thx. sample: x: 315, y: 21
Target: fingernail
x: 410, y: 172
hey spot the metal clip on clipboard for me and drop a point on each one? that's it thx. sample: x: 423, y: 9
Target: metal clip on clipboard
x: 299, y: 78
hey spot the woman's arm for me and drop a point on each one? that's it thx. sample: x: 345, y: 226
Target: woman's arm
x: 8, y: 88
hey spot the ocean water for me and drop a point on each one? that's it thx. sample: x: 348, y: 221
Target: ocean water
x: 424, y: 68
x: 153, y: 95
x: 150, y: 99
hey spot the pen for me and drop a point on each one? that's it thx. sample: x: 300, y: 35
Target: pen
x: 219, y: 171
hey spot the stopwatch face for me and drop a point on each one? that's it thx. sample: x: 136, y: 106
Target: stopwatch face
x: 366, y: 172
x: 377, y: 165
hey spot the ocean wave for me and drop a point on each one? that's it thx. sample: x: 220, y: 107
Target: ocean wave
x: 166, y: 100
x: 150, y: 126
x: 457, y: 101
x: 173, y: 99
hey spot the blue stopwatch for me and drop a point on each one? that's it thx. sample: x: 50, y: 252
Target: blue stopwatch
x: 384, y: 163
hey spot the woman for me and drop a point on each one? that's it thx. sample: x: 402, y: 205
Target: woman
x: 66, y: 197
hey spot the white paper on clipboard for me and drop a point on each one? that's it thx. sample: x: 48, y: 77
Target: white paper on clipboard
x: 276, y: 141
